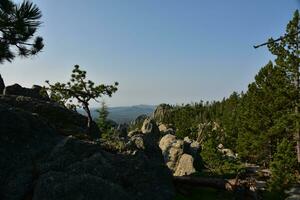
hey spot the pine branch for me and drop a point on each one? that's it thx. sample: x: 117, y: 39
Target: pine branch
x: 273, y: 41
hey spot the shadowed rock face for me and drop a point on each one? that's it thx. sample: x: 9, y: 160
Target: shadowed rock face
x: 34, y: 92
x: 65, y: 121
x: 38, y: 162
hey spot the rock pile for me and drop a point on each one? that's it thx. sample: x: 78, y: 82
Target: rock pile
x: 181, y: 156
x: 41, y: 157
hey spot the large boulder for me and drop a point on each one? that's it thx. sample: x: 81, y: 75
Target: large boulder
x: 149, y: 126
x: 177, y: 155
x: 172, y: 150
x: 162, y: 112
x: 2, y: 85
x: 36, y: 92
x: 25, y: 142
x: 65, y: 121
x: 165, y: 129
x: 37, y: 162
x: 185, y: 166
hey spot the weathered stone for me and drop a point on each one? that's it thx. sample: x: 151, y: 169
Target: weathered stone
x: 36, y: 162
x: 66, y: 121
x: 164, y: 129
x: 25, y: 141
x: 161, y: 112
x: 173, y: 149
x: 34, y: 92
x: 149, y: 126
x: 134, y: 132
x: 185, y: 166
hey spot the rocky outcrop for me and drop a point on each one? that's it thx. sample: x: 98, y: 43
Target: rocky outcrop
x: 161, y: 112
x: 181, y: 156
x: 38, y: 162
x: 149, y: 126
x: 185, y: 166
x: 65, y: 121
x: 226, y: 152
x: 164, y: 129
x: 2, y: 85
x: 139, y: 120
x: 36, y: 92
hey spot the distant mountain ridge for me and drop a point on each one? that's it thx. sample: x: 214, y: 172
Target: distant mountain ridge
x: 126, y: 114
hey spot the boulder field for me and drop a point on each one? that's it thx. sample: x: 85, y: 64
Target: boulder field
x: 45, y: 154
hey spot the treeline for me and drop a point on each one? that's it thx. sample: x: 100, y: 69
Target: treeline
x: 253, y: 123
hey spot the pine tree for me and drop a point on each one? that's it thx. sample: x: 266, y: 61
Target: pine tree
x: 81, y: 90
x: 287, y: 50
x: 264, y: 115
x: 102, y: 119
x: 283, y: 167
x: 18, y: 24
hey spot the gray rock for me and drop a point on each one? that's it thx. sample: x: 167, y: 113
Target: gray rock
x: 161, y: 112
x: 150, y: 127
x: 185, y: 166
x: 173, y: 149
x: 25, y: 141
x: 34, y: 92
x: 36, y: 162
x: 66, y: 121
x: 134, y: 132
x: 164, y: 129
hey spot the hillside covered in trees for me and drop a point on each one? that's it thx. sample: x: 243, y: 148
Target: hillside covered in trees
x: 55, y: 146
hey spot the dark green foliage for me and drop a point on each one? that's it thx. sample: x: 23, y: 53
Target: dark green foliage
x: 103, y: 123
x: 287, y: 52
x: 81, y: 90
x: 18, y: 24
x: 194, y: 119
x: 283, y: 167
x: 264, y: 115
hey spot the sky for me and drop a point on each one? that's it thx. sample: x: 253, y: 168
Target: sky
x: 160, y: 51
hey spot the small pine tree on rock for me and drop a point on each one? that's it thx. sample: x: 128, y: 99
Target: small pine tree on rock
x: 80, y: 89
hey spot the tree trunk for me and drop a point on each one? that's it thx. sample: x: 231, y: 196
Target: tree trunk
x: 297, y: 82
x: 2, y: 85
x: 89, y: 117
x: 297, y: 134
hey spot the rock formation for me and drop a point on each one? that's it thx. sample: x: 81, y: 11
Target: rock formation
x: 34, y: 92
x: 226, y: 152
x: 181, y: 156
x: 43, y: 157
x: 66, y: 121
x: 161, y: 112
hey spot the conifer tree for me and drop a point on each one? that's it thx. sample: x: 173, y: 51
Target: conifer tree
x: 102, y: 119
x: 283, y: 167
x: 287, y: 52
x: 18, y: 24
x: 264, y: 117
x: 81, y: 90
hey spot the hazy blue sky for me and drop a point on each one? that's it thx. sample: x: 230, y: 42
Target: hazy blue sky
x: 169, y: 51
